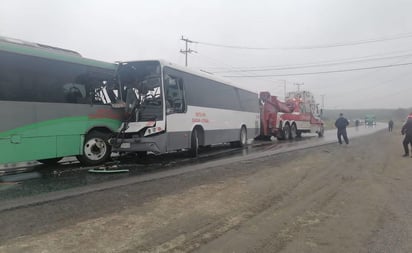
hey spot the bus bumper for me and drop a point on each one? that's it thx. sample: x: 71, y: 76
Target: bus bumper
x: 133, y: 144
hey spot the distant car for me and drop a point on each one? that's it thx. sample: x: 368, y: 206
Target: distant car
x: 370, y: 120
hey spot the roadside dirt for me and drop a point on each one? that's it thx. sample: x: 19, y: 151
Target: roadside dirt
x: 333, y: 198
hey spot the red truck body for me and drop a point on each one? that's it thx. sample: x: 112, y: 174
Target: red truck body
x: 287, y: 120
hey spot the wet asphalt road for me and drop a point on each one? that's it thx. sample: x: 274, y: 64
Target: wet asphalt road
x: 40, y: 179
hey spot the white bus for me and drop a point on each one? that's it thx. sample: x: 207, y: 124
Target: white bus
x: 172, y: 108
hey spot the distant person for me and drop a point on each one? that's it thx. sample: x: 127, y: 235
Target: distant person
x: 390, y: 125
x: 407, y: 131
x: 341, y: 123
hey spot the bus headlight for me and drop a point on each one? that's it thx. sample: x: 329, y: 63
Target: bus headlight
x: 152, y: 130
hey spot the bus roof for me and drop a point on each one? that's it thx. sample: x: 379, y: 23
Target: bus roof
x: 49, y: 52
x: 195, y: 72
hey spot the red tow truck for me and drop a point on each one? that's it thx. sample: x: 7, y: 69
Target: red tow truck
x: 288, y: 120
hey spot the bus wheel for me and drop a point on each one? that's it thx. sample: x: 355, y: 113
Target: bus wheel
x: 243, y: 136
x: 242, y: 139
x: 96, y: 149
x: 50, y: 161
x: 194, y: 146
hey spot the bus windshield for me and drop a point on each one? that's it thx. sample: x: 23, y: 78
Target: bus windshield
x: 142, y: 90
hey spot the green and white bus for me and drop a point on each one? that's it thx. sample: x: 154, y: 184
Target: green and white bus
x: 54, y: 103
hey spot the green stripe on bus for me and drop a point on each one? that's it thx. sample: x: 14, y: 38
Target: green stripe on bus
x: 62, y: 125
x: 48, y: 139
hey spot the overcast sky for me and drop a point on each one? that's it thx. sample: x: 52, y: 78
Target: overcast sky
x: 338, y: 38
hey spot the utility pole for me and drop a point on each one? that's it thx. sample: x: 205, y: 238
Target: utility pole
x: 187, y: 49
x: 323, y: 101
x: 299, y: 84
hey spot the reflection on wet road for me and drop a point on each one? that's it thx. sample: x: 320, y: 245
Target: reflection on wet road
x: 42, y: 179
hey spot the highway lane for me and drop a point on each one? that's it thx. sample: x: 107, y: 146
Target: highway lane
x: 43, y: 183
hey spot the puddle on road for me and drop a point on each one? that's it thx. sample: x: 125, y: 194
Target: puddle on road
x: 7, y: 185
x: 20, y: 177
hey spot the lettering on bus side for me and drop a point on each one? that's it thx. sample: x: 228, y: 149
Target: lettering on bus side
x: 200, y: 117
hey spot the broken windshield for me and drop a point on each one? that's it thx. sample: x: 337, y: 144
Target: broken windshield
x: 142, y: 90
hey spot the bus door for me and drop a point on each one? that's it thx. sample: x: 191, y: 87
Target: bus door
x: 174, y: 99
x: 178, y: 124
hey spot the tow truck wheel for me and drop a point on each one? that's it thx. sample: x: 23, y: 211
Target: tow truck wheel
x: 194, y: 146
x: 293, y: 131
x: 281, y: 135
x: 286, y: 131
x: 96, y: 149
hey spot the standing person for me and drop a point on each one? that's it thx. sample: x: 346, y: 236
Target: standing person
x: 341, y: 123
x: 390, y: 125
x: 407, y: 131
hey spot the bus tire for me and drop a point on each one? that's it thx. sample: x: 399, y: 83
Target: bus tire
x: 242, y: 139
x: 96, y: 149
x: 194, y: 144
x: 50, y: 161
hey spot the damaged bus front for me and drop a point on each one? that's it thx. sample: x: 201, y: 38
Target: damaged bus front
x: 142, y: 91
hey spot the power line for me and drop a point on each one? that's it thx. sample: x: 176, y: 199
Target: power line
x: 311, y: 65
x: 230, y: 66
x: 327, y: 72
x: 373, y: 85
x: 331, y: 45
x: 373, y: 97
x: 365, y: 57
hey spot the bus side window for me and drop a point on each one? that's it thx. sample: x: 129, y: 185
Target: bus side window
x: 74, y: 93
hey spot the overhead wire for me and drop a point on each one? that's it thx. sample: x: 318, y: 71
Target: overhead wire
x: 375, y: 85
x: 312, y: 65
x: 230, y: 66
x: 380, y: 96
x: 318, y: 64
x: 331, y: 45
x: 324, y: 72
x: 365, y: 57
